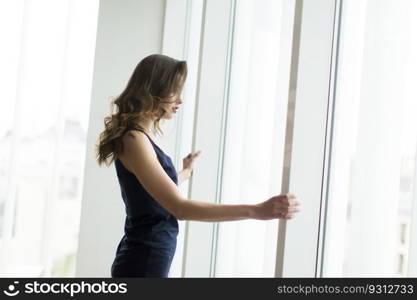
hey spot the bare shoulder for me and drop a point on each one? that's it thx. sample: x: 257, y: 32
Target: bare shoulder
x: 133, y: 134
x: 136, y: 146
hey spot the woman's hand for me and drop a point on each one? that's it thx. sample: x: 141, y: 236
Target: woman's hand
x: 188, y: 166
x: 277, y: 207
x: 188, y: 161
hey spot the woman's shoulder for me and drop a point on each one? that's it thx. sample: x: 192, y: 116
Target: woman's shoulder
x: 136, y: 138
x: 132, y: 133
x: 134, y: 143
x: 133, y: 138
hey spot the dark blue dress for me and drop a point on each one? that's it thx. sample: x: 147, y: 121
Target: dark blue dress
x: 150, y: 231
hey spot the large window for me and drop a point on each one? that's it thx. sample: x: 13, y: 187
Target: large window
x: 254, y: 133
x: 372, y: 181
x: 350, y: 150
x: 46, y: 72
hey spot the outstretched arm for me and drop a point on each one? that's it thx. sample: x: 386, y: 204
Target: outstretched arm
x: 142, y: 160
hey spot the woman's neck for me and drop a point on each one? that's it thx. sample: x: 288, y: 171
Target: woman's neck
x: 146, y: 125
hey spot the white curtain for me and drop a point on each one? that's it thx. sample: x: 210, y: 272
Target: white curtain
x: 46, y: 58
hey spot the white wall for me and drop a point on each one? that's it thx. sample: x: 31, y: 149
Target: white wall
x: 127, y: 31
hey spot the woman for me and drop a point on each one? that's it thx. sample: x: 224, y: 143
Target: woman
x: 148, y: 179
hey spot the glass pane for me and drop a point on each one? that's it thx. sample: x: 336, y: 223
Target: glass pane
x: 41, y: 165
x: 373, y: 160
x: 255, y: 131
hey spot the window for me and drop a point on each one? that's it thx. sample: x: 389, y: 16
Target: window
x: 254, y: 134
x: 373, y: 158
x: 47, y: 62
x: 183, y: 21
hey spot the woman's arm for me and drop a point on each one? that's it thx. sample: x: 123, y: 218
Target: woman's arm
x: 183, y: 175
x: 277, y: 207
x: 141, y: 159
x: 212, y: 212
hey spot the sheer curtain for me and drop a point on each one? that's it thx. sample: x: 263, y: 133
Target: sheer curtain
x: 47, y: 58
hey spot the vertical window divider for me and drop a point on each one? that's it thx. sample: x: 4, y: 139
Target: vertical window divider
x: 329, y: 137
x: 179, y: 121
x: 193, y: 143
x: 308, y: 114
x: 226, y: 100
x: 207, y: 133
x: 286, y: 170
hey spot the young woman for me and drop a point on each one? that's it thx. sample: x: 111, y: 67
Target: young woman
x: 148, y: 179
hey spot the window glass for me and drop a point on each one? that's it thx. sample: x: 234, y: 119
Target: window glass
x: 372, y: 182
x: 254, y: 134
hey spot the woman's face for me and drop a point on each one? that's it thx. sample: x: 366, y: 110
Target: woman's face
x: 172, y: 107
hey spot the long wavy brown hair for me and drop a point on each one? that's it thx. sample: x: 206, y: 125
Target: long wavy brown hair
x: 155, y: 79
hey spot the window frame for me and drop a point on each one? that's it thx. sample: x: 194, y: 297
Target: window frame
x: 312, y: 66
x: 312, y: 130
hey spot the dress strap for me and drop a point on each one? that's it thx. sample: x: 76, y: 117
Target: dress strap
x: 140, y: 129
x: 152, y: 142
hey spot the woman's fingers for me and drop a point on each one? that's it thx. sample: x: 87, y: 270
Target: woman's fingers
x: 290, y: 210
x: 293, y: 209
x: 289, y: 206
x: 291, y: 196
x: 282, y: 206
x: 294, y: 203
x: 193, y: 155
x: 285, y: 202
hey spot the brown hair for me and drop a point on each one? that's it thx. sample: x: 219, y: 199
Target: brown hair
x: 156, y: 78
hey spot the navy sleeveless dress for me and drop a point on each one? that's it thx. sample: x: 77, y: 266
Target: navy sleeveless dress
x: 150, y: 231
